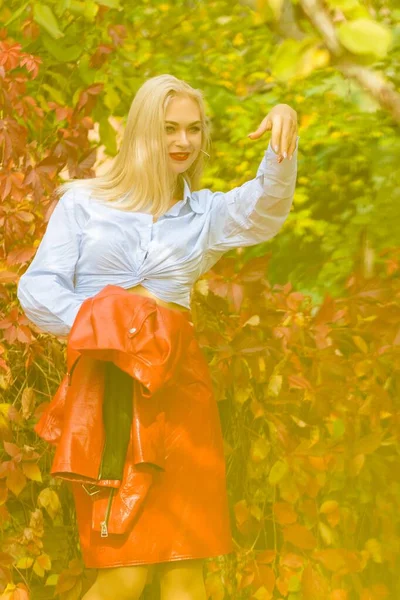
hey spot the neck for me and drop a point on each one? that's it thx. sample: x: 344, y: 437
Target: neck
x: 179, y: 187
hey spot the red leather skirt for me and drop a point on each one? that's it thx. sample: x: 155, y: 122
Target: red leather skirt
x: 185, y: 514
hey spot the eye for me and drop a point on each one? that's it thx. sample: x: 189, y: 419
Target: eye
x: 170, y: 127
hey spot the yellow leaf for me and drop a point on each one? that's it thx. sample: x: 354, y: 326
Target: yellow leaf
x: 238, y: 40
x: 4, y: 421
x: 25, y: 562
x: 38, y: 569
x: 274, y: 385
x: 328, y: 506
x: 262, y: 594
x: 242, y: 394
x: 32, y: 471
x: 259, y: 450
x: 49, y: 500
x: 254, y: 320
x: 256, y: 512
x: 326, y: 533
x: 375, y: 549
x: 360, y: 343
x: 52, y: 579
x: 16, y: 481
x: 277, y: 472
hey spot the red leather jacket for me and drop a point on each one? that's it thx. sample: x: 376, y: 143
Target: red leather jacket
x: 145, y: 340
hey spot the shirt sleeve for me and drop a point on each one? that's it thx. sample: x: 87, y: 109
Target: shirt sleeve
x: 255, y: 211
x: 46, y: 289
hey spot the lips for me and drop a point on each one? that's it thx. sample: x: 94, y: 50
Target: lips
x: 180, y: 156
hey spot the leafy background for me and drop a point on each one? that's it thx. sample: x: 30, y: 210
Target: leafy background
x: 301, y: 333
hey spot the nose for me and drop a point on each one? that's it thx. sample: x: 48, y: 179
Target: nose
x: 182, y: 138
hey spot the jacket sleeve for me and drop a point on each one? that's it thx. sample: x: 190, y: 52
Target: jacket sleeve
x: 46, y: 289
x: 255, y: 211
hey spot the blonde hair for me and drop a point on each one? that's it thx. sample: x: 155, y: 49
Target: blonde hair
x: 140, y: 175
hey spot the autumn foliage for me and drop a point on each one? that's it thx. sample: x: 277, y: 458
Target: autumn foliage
x: 308, y: 394
x: 309, y: 399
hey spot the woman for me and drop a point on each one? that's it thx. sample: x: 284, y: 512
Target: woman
x: 142, y: 227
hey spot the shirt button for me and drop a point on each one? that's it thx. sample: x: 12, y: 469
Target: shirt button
x: 132, y: 330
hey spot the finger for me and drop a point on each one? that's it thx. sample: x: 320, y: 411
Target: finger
x: 293, y: 144
x: 265, y: 125
x: 287, y: 136
x: 276, y: 133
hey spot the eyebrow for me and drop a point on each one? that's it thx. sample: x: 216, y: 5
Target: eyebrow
x: 175, y: 123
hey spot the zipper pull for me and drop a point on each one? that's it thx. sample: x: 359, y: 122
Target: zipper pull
x: 104, y: 530
x: 103, y: 524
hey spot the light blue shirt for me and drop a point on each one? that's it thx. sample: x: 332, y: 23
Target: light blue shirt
x: 88, y: 245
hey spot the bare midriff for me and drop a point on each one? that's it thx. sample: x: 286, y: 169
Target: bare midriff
x: 142, y: 291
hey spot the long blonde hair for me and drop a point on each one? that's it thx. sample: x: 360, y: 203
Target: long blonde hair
x: 140, y: 175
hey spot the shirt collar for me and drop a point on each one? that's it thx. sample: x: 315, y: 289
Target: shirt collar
x: 187, y: 195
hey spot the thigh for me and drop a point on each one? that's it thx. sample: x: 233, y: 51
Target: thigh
x: 129, y: 579
x: 180, y: 572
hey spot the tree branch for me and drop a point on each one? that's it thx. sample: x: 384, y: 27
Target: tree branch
x: 382, y: 90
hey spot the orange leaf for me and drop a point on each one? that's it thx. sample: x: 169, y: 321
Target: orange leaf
x: 300, y: 536
x: 314, y: 585
x: 266, y: 557
x: 292, y: 560
x: 333, y: 559
x: 284, y: 513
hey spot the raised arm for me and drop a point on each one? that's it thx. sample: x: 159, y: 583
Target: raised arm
x: 46, y: 289
x: 255, y: 211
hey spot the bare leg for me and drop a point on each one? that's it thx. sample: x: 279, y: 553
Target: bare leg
x: 182, y: 580
x: 120, y: 582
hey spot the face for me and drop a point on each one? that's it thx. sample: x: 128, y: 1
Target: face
x: 183, y: 132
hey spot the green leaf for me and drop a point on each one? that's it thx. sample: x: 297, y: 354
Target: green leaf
x: 294, y: 584
x: 287, y: 61
x: 111, y: 99
x: 277, y: 472
x: 54, y: 94
x: 43, y: 16
x: 365, y: 36
x: 108, y: 136
x: 91, y: 10
x: 338, y: 428
x: 63, y: 52
x: 16, y: 14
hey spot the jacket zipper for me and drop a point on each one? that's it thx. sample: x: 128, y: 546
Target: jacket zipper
x: 104, y: 524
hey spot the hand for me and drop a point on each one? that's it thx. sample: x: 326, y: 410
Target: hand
x: 282, y: 120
